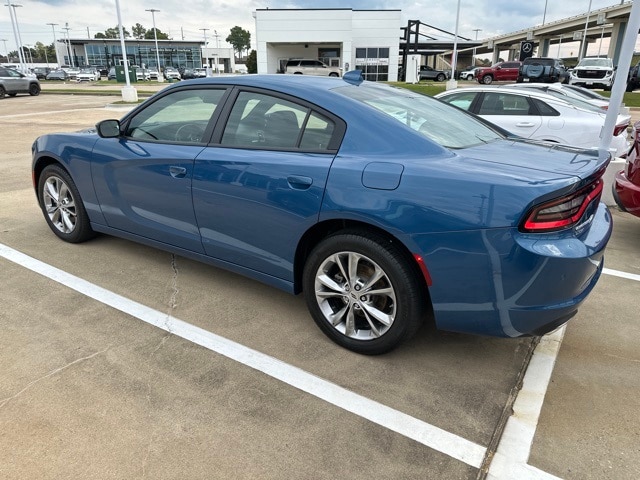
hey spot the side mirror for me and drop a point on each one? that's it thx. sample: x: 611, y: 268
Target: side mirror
x: 108, y: 128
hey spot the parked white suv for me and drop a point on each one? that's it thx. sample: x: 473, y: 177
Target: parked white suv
x: 300, y: 66
x: 593, y: 72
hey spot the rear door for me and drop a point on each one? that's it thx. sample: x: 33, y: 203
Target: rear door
x: 508, y: 71
x: 515, y: 113
x: 259, y: 186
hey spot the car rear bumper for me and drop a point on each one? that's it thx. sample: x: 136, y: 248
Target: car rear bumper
x: 505, y: 283
x: 626, y: 194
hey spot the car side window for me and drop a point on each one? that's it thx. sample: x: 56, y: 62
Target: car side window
x: 504, y: 104
x: 461, y: 100
x: 544, y: 109
x: 263, y: 121
x: 181, y: 117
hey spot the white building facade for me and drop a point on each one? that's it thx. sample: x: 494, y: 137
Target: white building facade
x: 367, y: 40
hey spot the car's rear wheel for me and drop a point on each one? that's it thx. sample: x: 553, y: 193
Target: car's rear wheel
x: 487, y: 79
x: 62, y: 206
x: 34, y: 89
x: 333, y: 74
x: 363, y: 293
x: 440, y: 77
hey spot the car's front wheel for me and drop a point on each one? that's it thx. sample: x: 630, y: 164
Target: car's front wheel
x: 62, y: 206
x: 440, y: 77
x: 34, y: 89
x: 487, y: 79
x: 363, y: 293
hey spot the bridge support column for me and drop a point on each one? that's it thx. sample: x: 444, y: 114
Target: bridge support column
x: 543, y: 47
x: 615, y: 44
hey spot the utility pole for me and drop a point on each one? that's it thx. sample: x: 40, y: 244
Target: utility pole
x: 55, y: 50
x: 205, y: 35
x: 474, y: 48
x: 66, y: 27
x: 155, y: 37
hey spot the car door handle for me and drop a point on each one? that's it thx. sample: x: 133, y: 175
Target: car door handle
x: 525, y: 124
x: 177, y: 172
x: 299, y: 182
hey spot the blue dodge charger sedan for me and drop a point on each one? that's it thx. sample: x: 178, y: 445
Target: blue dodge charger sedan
x: 384, y: 207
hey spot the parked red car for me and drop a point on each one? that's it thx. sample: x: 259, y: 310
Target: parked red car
x: 626, y: 187
x: 500, y: 72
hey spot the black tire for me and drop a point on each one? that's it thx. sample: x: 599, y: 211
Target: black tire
x: 333, y: 74
x: 334, y: 301
x: 12, y: 94
x: 34, y: 89
x: 487, y: 79
x: 2, y: 92
x: 440, y: 77
x: 62, y: 206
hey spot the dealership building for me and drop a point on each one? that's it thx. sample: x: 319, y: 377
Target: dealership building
x: 367, y: 40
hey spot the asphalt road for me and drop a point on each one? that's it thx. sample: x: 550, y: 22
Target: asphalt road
x: 121, y: 361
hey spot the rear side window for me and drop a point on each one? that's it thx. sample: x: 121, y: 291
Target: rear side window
x: 545, y: 109
x: 263, y: 121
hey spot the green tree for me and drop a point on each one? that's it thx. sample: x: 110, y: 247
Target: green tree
x: 240, y: 39
x: 112, y: 33
x: 161, y: 35
x: 138, y: 31
x: 252, y: 62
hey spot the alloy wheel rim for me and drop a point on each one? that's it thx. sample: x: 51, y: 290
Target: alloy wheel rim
x: 60, y: 204
x: 355, y: 296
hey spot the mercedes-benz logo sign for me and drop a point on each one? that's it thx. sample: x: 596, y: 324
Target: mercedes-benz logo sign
x: 527, y: 47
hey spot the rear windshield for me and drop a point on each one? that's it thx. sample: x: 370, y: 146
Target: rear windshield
x: 445, y: 125
x: 541, y: 61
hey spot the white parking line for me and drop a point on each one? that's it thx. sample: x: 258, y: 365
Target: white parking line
x: 618, y: 273
x: 512, y: 455
x: 433, y: 437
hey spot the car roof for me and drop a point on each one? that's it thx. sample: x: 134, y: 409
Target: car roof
x: 529, y: 92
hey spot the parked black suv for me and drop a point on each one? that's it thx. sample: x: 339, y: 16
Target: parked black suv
x: 542, y: 69
x: 633, y: 81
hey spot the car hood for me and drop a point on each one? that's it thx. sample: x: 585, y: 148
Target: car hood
x: 592, y: 68
x: 559, y: 159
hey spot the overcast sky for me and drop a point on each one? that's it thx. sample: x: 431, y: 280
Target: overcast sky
x: 493, y: 17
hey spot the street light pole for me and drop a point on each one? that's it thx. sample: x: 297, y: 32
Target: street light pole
x: 68, y: 43
x: 55, y: 50
x: 129, y: 93
x: 474, y: 48
x: 584, y: 45
x: 15, y: 36
x: 451, y: 84
x: 21, y: 55
x: 6, y: 52
x: 544, y: 15
x: 155, y: 37
x: 205, y: 35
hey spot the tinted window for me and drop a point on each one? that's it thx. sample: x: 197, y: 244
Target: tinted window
x: 504, y: 104
x: 263, y: 121
x: 180, y: 117
x: 544, y: 109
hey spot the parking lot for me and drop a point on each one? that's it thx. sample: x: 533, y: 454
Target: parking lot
x: 121, y: 361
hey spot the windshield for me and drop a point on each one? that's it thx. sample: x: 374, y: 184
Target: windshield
x: 573, y: 100
x: 439, y: 122
x: 595, y: 62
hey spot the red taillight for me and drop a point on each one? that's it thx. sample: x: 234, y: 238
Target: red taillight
x: 619, y: 129
x: 562, y: 212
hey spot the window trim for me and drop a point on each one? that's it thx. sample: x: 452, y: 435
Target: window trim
x: 208, y: 132
x: 221, y: 123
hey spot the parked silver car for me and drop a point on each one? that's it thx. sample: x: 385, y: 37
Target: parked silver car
x: 13, y: 82
x: 303, y: 66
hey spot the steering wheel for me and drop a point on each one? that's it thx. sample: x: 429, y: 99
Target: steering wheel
x: 189, y: 132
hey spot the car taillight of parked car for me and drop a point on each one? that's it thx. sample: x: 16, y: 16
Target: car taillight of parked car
x: 618, y: 129
x: 564, y: 212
